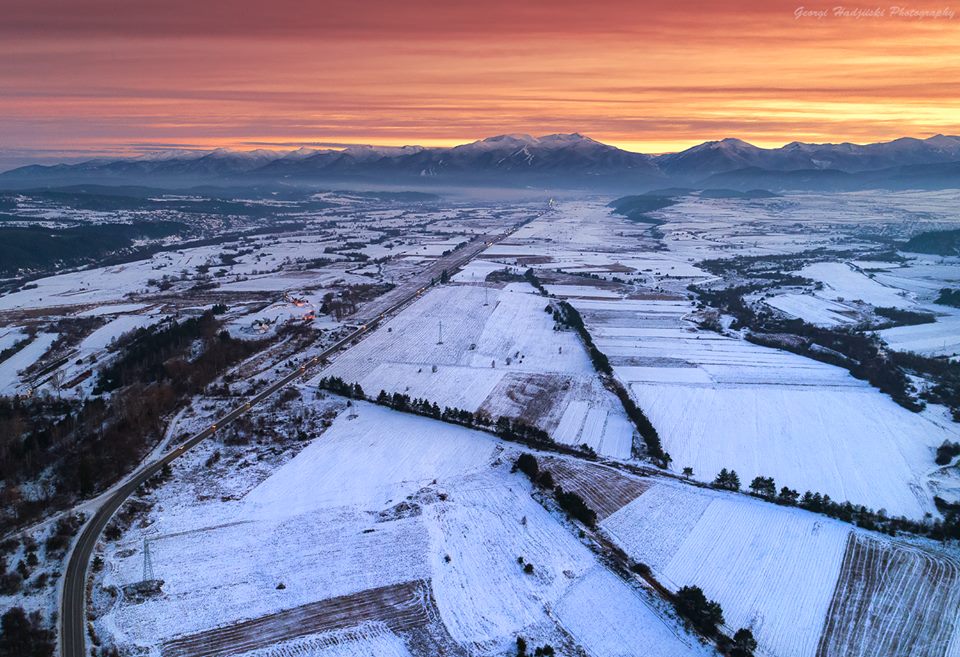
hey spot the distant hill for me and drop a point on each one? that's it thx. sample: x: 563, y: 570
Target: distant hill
x: 941, y: 242
x: 918, y: 176
x: 732, y: 193
x: 714, y: 157
x: 570, y: 161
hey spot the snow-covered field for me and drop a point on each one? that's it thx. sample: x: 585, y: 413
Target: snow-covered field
x: 484, y: 527
x: 475, y: 347
x: 719, y: 402
x: 387, y: 471
x: 844, y: 282
x: 10, y: 369
x: 813, y: 309
x: 609, y: 618
x: 941, y: 338
x: 380, y: 499
x: 777, y: 570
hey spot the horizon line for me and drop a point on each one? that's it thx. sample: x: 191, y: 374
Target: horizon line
x: 35, y: 157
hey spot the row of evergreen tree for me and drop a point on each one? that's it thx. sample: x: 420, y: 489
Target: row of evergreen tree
x: 504, y: 427
x: 858, y: 514
x: 568, y: 315
x: 572, y: 503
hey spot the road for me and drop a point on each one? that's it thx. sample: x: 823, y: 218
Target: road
x: 73, y: 594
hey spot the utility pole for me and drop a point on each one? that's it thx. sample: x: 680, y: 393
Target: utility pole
x: 440, y: 332
x: 147, y: 562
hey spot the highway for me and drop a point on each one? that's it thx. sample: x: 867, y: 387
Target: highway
x: 73, y: 619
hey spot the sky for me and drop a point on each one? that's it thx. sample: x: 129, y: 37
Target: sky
x: 111, y: 77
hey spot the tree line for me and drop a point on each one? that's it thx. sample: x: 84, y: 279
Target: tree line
x: 857, y: 514
x: 507, y: 428
x: 567, y: 315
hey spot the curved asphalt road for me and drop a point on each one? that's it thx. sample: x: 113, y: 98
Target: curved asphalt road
x: 73, y: 595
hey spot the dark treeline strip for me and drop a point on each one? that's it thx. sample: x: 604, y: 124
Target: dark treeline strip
x: 14, y: 348
x: 504, y: 427
x: 571, y: 503
x: 638, y: 208
x: 531, y: 277
x: 36, y: 247
x: 901, y: 317
x: 947, y: 452
x: 938, y: 242
x: 569, y: 316
x: 949, y: 297
x: 766, y: 489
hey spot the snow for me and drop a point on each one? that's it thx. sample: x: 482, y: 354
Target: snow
x: 843, y: 282
x: 571, y: 423
x: 617, y: 437
x: 466, y: 387
x: 854, y: 445
x: 383, y: 467
x: 476, y: 271
x: 813, y: 309
x: 773, y: 569
x: 609, y: 619
x: 485, y: 525
x: 778, y: 571
x: 102, y: 337
x: 667, y: 512
x: 581, y: 291
x: 10, y: 383
x: 10, y: 336
x: 942, y: 338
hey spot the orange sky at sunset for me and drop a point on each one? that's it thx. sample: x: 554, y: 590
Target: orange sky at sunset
x: 102, y: 76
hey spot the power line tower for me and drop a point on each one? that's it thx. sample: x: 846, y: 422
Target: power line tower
x: 440, y: 332
x: 486, y: 300
x: 147, y: 562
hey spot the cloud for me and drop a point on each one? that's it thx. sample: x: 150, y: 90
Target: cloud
x: 102, y: 74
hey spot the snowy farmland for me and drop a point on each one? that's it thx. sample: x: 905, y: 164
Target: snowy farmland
x: 719, y: 402
x: 494, y: 350
x: 940, y: 338
x: 803, y: 583
x: 388, y: 530
x: 843, y: 281
x: 813, y: 309
x: 316, y: 528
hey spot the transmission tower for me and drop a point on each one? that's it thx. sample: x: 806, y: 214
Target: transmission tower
x: 486, y: 290
x: 147, y: 562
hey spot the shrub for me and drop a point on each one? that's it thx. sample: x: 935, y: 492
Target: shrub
x: 527, y: 464
x: 576, y: 507
x: 703, y: 614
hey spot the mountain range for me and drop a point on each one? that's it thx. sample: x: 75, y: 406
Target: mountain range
x: 516, y: 160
